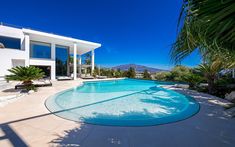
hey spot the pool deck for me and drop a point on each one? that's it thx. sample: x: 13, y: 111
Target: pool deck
x: 27, y: 122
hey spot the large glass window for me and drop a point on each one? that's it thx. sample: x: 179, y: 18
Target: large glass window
x: 40, y: 50
x: 62, y: 57
x: 12, y: 43
x: 46, y: 70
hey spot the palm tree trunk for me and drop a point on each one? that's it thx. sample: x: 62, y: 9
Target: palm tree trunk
x: 211, y: 85
x: 27, y: 82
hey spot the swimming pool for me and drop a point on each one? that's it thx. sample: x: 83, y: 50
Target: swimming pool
x: 126, y: 102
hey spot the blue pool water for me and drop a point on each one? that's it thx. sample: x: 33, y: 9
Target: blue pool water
x: 125, y: 102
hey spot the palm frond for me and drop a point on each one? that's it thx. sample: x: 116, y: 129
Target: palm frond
x: 21, y: 73
x: 205, y: 23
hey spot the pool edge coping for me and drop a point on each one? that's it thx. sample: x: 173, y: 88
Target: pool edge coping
x: 83, y: 122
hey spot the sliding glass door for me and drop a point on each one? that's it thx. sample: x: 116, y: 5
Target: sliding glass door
x: 62, y: 59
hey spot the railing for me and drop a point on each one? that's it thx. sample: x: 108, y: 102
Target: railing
x: 21, y: 27
x: 11, y: 25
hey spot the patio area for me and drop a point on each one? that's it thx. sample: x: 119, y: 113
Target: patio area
x: 27, y: 122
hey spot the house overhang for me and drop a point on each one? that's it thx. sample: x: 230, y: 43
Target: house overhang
x: 82, y: 45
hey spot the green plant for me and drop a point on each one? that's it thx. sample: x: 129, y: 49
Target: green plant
x: 210, y: 71
x: 207, y: 25
x: 147, y: 75
x: 118, y: 73
x: 88, y: 58
x: 24, y: 74
x: 225, y: 80
x: 130, y: 73
x: 178, y: 72
x: 163, y: 76
x: 31, y: 87
x: 193, y: 80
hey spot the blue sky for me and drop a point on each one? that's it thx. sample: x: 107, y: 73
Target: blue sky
x: 130, y: 31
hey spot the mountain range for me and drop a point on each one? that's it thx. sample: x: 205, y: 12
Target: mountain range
x: 138, y: 68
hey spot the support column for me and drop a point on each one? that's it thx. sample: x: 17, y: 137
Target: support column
x: 53, y: 51
x: 80, y: 65
x: 53, y: 72
x: 68, y: 63
x: 53, y: 66
x: 92, y: 61
x: 74, y: 61
x: 27, y: 49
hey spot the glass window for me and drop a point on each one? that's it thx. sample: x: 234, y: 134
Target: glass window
x: 40, y: 50
x: 46, y: 70
x: 8, y: 42
x: 62, y: 57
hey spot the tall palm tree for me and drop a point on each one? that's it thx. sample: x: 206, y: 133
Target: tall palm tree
x: 210, y: 71
x: 214, y: 62
x: 205, y: 23
x: 146, y: 75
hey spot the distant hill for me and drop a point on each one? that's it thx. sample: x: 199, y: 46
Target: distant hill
x: 138, y: 68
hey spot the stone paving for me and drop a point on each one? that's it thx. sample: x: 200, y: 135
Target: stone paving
x: 27, y: 122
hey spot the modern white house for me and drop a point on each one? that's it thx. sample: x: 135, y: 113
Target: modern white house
x: 50, y: 52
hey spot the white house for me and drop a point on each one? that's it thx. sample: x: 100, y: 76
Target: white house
x: 26, y: 47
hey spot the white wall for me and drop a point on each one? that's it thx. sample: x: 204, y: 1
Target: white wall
x: 18, y: 62
x: 12, y: 32
x: 7, y: 55
x: 44, y: 62
x: 6, y: 59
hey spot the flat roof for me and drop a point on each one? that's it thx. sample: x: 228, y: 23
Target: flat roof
x: 82, y: 45
x: 74, y: 40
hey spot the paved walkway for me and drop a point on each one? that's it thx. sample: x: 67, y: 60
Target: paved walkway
x: 26, y: 122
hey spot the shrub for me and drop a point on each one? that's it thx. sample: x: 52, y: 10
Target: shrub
x: 146, y: 75
x: 130, y: 73
x: 193, y: 80
x: 179, y: 72
x: 163, y: 76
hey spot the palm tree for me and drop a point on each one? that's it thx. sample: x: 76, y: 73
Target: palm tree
x: 192, y: 79
x: 24, y: 74
x: 224, y: 56
x: 205, y: 23
x: 146, y: 75
x: 214, y: 62
x: 88, y: 59
x: 130, y: 73
x: 210, y: 71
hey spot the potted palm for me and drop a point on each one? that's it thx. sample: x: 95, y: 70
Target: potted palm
x: 26, y: 75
